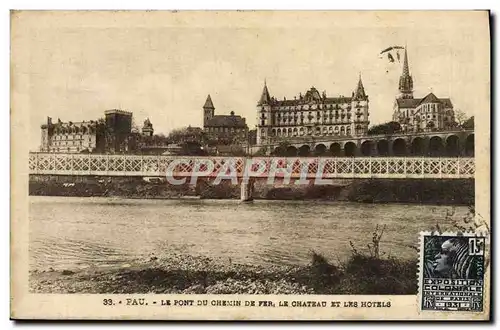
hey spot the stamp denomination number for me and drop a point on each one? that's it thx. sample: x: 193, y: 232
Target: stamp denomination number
x: 476, y: 246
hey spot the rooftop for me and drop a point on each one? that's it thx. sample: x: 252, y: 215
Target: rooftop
x: 227, y: 121
x: 413, y: 103
x: 117, y: 111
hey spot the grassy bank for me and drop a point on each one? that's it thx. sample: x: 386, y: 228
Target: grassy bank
x: 185, y: 274
x: 446, y: 191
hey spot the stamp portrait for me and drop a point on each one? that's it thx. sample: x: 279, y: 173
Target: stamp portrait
x: 453, y: 272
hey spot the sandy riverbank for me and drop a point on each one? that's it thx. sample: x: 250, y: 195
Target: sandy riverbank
x: 187, y: 274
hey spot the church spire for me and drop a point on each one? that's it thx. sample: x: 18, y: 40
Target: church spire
x: 406, y: 81
x: 406, y: 70
x: 360, y: 90
x: 208, y: 111
x: 265, y: 98
x: 208, y: 103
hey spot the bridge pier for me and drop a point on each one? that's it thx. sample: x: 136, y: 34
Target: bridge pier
x: 246, y: 194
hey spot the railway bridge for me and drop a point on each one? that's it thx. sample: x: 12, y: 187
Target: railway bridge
x: 245, y: 170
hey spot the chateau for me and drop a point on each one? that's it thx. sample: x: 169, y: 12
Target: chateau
x: 72, y: 137
x: 312, y: 115
x: 429, y: 113
x: 111, y: 134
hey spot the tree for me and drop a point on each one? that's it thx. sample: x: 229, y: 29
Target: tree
x: 385, y: 128
x: 282, y: 148
x: 134, y: 126
x: 261, y: 152
x: 469, y: 123
x: 460, y: 117
x: 191, y: 134
x: 237, y: 151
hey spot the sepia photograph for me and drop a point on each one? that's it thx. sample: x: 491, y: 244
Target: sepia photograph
x: 192, y: 158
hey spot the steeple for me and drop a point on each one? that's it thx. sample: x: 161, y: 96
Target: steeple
x: 406, y: 81
x: 360, y: 90
x: 264, y: 98
x: 406, y: 70
x: 208, y: 103
x: 208, y: 111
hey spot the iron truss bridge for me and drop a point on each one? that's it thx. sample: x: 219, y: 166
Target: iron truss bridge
x: 294, y: 167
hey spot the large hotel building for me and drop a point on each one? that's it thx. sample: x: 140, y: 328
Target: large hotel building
x: 312, y: 115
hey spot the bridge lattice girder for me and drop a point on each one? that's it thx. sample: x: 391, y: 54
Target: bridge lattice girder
x: 308, y: 167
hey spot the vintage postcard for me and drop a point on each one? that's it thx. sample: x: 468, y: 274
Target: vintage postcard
x: 250, y: 165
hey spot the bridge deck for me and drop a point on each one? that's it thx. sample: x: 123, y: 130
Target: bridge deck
x: 294, y: 167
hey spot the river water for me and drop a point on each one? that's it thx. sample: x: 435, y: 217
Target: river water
x: 69, y: 232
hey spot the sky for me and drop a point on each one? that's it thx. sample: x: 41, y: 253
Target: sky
x: 162, y: 65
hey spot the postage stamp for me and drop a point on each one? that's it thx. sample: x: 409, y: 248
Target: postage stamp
x: 452, y: 272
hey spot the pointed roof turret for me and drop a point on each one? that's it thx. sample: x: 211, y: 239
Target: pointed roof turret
x: 360, y: 90
x: 208, y: 103
x: 265, y: 98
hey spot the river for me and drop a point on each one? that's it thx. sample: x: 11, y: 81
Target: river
x: 73, y: 232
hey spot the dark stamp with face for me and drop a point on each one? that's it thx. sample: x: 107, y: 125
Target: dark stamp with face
x: 452, y: 273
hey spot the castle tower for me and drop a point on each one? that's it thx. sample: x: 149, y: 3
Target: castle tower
x: 263, y: 115
x: 359, y: 93
x: 208, y: 111
x: 406, y: 81
x: 359, y: 105
x: 265, y: 98
x: 147, y: 129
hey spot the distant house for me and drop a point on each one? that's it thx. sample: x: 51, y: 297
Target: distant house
x: 225, y: 129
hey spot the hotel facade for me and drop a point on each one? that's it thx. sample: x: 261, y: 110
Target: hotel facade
x: 313, y: 114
